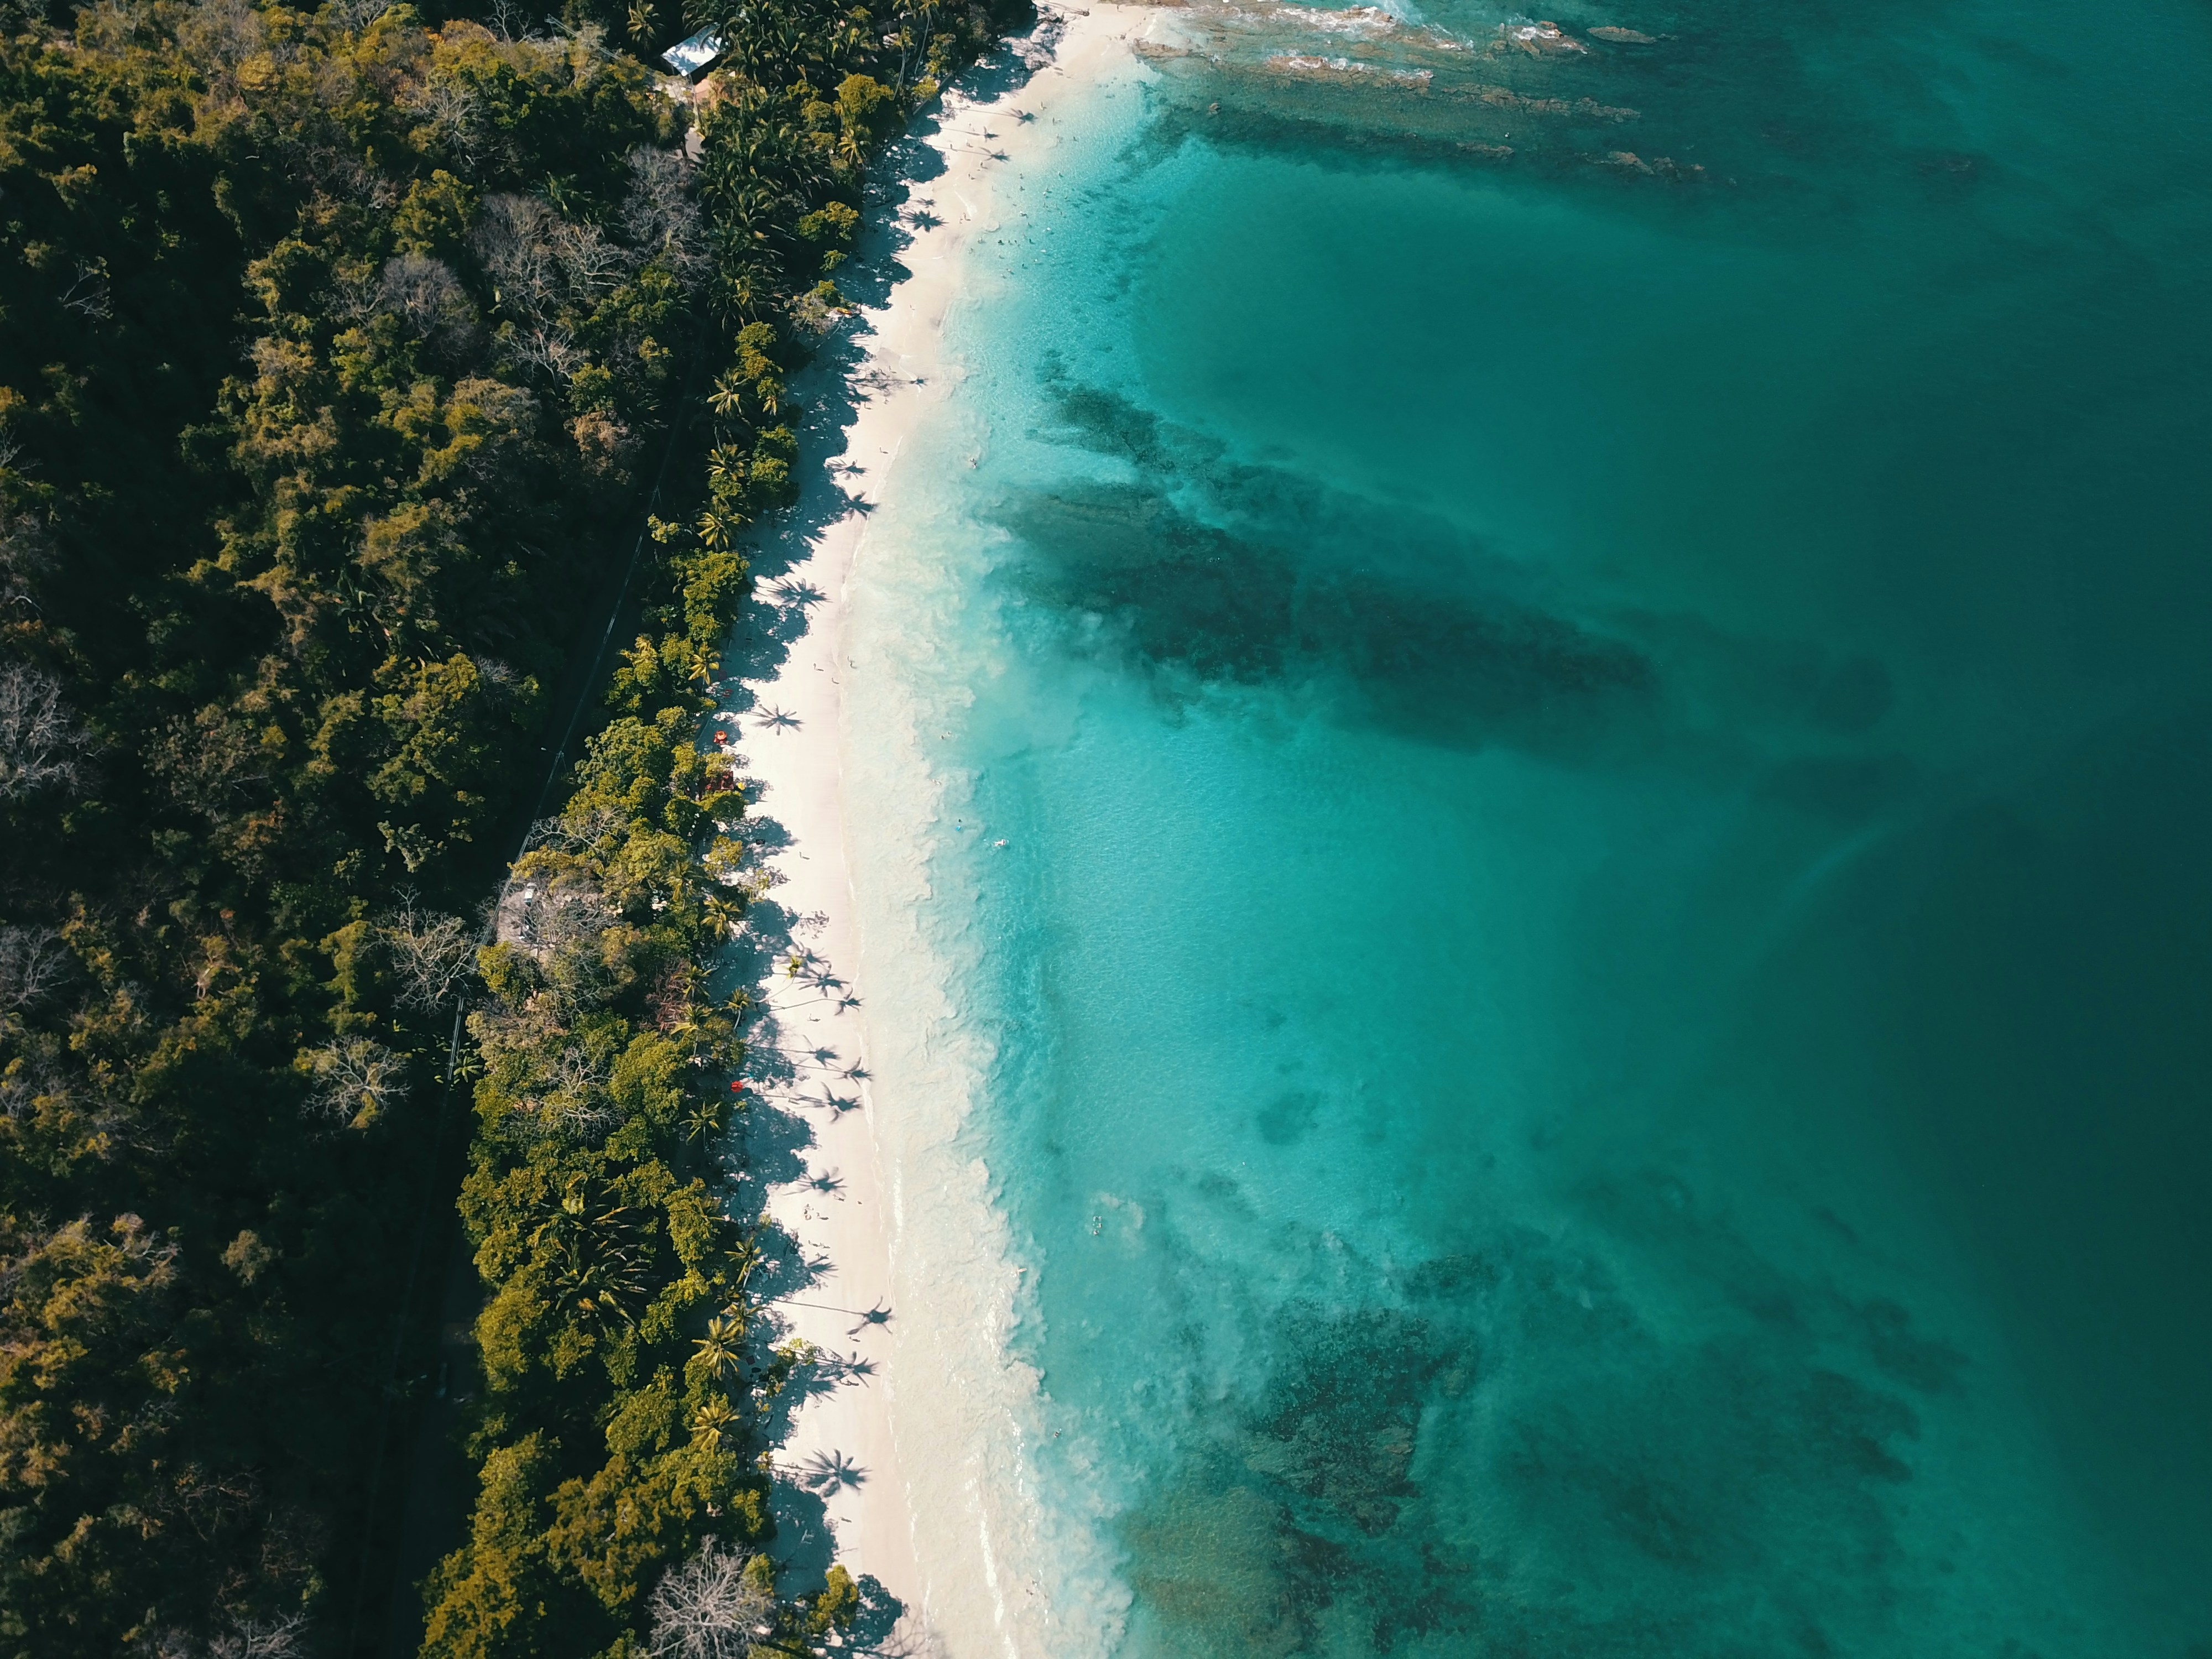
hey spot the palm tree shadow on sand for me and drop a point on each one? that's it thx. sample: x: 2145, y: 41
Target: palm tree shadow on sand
x: 788, y: 1080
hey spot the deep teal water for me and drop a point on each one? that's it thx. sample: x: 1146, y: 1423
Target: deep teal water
x: 1599, y: 983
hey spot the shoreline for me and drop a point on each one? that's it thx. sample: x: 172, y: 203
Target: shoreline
x: 837, y: 1469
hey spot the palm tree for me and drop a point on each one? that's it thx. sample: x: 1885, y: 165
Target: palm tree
x: 724, y: 912
x: 718, y: 529
x: 704, y: 1118
x: 748, y: 1255
x: 753, y: 209
x: 719, y: 1348
x: 597, y: 1267
x: 712, y: 1422
x: 725, y: 464
x: 745, y: 291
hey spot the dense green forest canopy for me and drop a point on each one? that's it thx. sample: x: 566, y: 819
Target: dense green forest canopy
x: 339, y: 353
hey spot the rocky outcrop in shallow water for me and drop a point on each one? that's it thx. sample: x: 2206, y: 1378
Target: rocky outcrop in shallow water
x: 1588, y: 108
x: 1539, y: 40
x: 1350, y: 71
x: 1660, y: 167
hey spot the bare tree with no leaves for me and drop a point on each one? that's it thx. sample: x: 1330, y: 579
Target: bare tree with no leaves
x: 659, y: 214
x: 250, y: 1638
x: 576, y: 1091
x: 552, y: 352
x: 356, y: 1080
x: 40, y: 744
x: 427, y: 299
x: 451, y: 108
x: 708, y: 1609
x: 433, y: 955
x: 32, y: 960
x: 541, y: 261
x: 246, y: 1638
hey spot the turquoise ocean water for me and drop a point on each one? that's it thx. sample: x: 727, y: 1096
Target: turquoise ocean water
x: 1547, y: 820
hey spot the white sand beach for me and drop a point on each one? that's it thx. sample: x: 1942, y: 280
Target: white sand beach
x: 786, y: 726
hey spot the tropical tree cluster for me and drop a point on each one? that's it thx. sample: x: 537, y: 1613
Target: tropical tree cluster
x: 337, y: 347
x: 620, y: 1425
x: 332, y: 345
x: 616, y: 1413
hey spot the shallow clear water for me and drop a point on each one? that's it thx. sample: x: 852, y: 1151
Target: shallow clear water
x: 1540, y: 864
